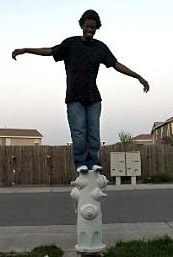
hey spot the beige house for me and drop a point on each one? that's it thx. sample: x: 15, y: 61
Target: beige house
x: 145, y: 139
x: 20, y: 137
x: 163, y: 131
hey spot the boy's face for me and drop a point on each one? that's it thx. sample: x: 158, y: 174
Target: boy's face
x: 89, y: 29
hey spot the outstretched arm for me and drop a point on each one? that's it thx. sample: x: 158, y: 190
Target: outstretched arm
x: 123, y: 69
x: 38, y: 51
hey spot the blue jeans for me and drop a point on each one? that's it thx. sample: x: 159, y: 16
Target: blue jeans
x: 84, y: 123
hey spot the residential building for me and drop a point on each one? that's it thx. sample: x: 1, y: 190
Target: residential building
x: 163, y: 131
x: 145, y: 139
x: 20, y: 137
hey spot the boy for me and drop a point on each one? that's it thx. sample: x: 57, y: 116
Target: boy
x: 82, y: 56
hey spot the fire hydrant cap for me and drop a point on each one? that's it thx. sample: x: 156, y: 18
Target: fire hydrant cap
x: 89, y: 211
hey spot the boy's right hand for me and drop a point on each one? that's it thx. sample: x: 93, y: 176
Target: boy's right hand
x: 17, y: 52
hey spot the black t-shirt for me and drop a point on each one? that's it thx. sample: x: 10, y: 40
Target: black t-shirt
x: 82, y: 60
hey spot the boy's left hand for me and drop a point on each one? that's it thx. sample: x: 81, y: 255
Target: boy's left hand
x: 145, y: 84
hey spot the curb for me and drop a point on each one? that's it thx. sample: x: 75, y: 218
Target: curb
x: 16, y: 189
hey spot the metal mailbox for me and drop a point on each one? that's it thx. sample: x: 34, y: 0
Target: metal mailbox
x: 118, y: 164
x: 125, y: 164
x: 133, y: 164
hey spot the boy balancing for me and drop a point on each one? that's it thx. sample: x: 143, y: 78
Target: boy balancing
x: 82, y: 56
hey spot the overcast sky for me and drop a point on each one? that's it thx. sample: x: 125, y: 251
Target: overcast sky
x: 138, y: 32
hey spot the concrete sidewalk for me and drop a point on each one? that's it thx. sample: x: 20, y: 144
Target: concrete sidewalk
x: 25, y: 238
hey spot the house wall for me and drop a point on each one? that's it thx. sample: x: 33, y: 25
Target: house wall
x: 25, y: 141
x: 163, y: 132
x: 20, y: 141
x: 144, y: 142
x: 157, y: 134
x: 171, y: 128
x: 2, y: 141
x: 7, y: 141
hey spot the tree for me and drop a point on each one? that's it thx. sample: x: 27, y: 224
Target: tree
x: 125, y: 137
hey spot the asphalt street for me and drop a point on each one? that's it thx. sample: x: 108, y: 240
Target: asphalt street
x: 33, y: 216
x: 56, y: 208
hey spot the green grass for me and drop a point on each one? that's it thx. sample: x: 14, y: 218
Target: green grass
x: 51, y: 251
x: 154, y: 179
x: 159, y: 247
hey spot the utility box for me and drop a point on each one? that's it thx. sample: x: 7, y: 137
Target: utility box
x: 125, y: 164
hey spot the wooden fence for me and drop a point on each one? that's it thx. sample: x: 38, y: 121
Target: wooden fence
x: 48, y: 165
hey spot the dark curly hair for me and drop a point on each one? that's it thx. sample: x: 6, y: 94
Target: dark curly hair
x: 90, y: 15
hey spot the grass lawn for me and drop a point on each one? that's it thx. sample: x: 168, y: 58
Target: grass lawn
x: 159, y: 247
x: 42, y: 251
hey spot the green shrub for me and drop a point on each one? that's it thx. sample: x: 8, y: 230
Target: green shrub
x: 159, y: 178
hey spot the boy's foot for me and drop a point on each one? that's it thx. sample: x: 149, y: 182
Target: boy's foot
x: 97, y: 168
x: 82, y: 169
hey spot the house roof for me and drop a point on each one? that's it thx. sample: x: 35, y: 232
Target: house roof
x: 143, y: 137
x: 160, y: 124
x: 20, y: 133
x: 157, y: 123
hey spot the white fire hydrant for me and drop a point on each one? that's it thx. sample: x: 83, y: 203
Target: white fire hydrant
x: 86, y: 195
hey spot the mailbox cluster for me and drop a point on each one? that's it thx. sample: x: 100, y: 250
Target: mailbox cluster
x: 125, y: 164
